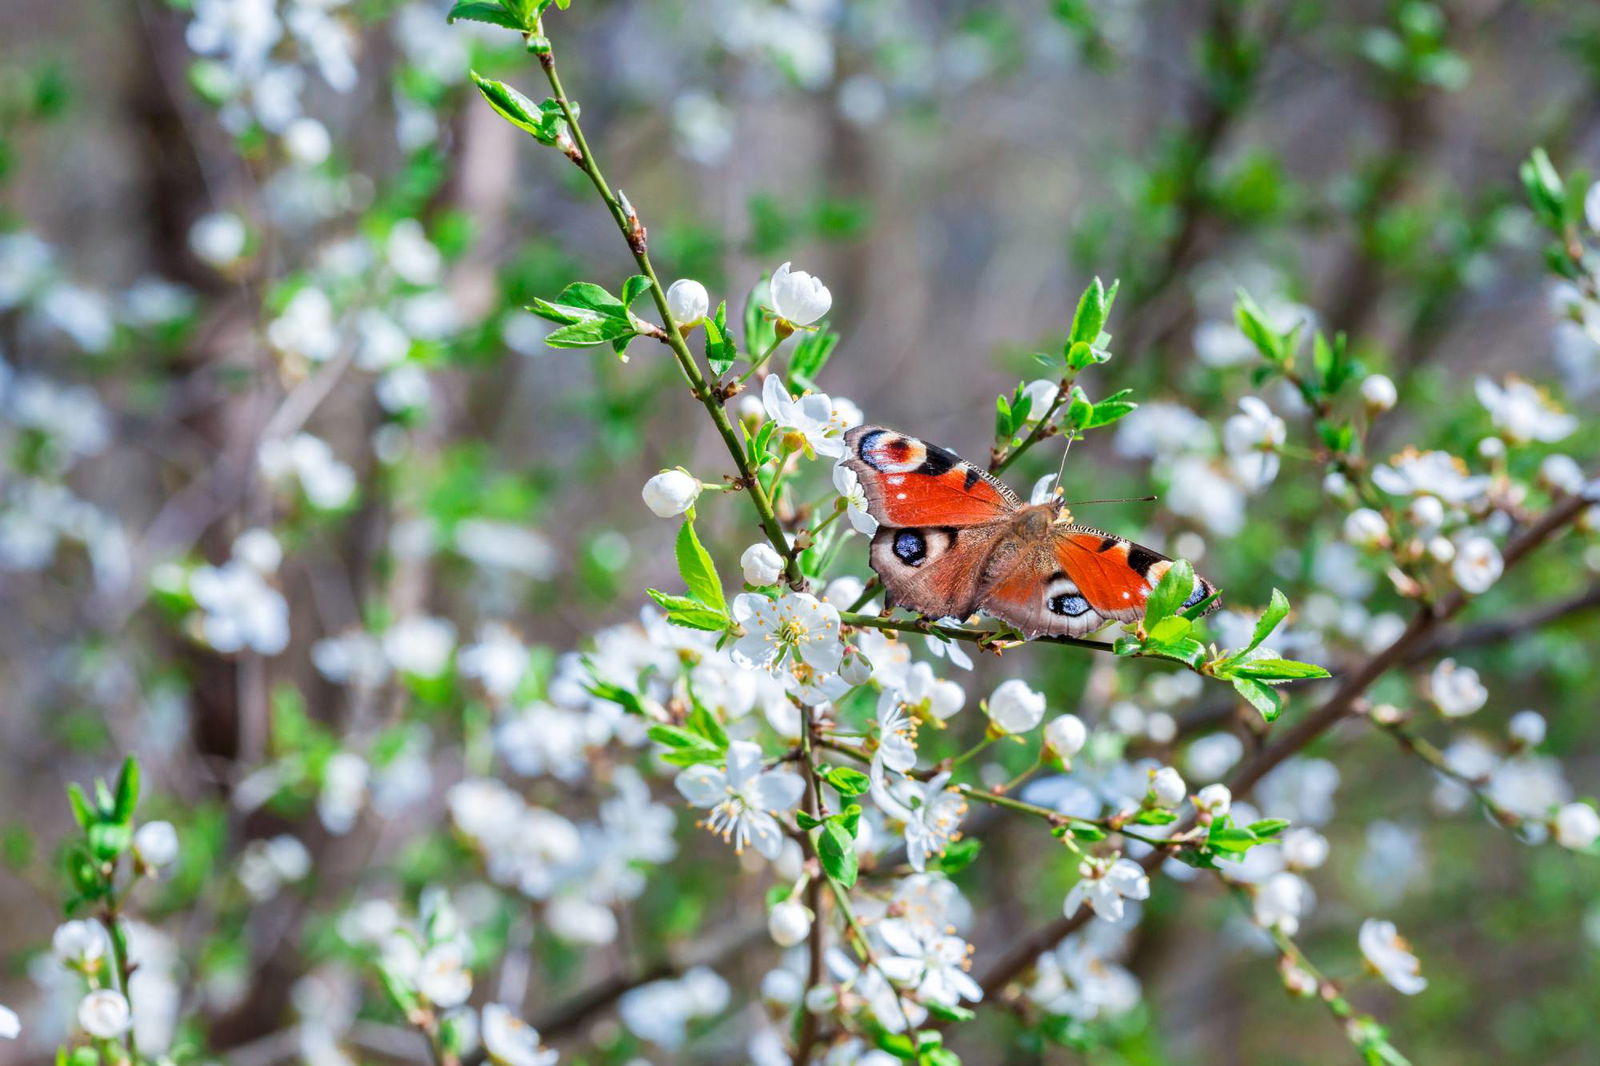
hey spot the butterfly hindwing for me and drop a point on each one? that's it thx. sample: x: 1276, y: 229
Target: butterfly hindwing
x: 935, y: 571
x: 911, y: 483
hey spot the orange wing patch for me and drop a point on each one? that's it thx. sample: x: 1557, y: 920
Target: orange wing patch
x: 909, y: 482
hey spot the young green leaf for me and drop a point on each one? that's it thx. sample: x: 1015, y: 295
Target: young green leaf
x: 1262, y: 697
x: 837, y: 850
x: 1278, y: 670
x: 127, y: 791
x: 483, y: 11
x: 1175, y: 586
x: 698, y: 571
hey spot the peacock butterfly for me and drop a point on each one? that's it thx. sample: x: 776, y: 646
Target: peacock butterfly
x: 952, y: 539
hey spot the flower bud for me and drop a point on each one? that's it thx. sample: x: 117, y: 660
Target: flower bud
x: 79, y: 941
x: 1213, y: 800
x: 1365, y: 528
x: 670, y: 493
x: 762, y: 564
x: 1167, y: 786
x: 821, y: 999
x: 687, y: 302
x: 856, y: 668
x: 1304, y: 848
x: 797, y: 297
x: 156, y: 844
x: 1526, y: 729
x: 1014, y: 707
x: 788, y: 923
x: 1066, y: 735
x: 1379, y: 392
x: 1427, y: 512
x: 1577, y: 826
x: 105, y: 1014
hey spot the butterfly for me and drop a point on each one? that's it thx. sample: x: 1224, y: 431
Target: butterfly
x: 952, y: 540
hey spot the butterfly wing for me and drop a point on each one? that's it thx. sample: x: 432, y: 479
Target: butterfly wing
x: 911, y: 483
x: 1075, y: 582
x: 939, y: 517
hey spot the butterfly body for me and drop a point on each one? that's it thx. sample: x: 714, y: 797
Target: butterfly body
x: 953, y: 540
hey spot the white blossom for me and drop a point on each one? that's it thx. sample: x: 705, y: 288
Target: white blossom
x: 1478, y: 564
x: 743, y: 798
x: 1167, y: 786
x: 1253, y: 438
x: 420, y: 645
x: 796, y: 624
x: 510, y: 1041
x: 1526, y: 729
x: 1379, y: 392
x: 797, y: 297
x: 687, y: 301
x: 1304, y: 848
x: 929, y: 813
x: 1456, y: 690
x: 218, y: 239
x: 813, y: 423
x: 1524, y: 412
x: 10, y: 1024
x: 929, y: 961
x: 788, y: 922
x: 157, y: 844
x: 1103, y: 884
x: 1014, y: 707
x: 443, y: 977
x: 1366, y: 528
x: 1066, y: 735
x: 1280, y: 902
x: 671, y: 493
x: 761, y: 563
x: 1391, y: 957
x: 1434, y: 473
x: 855, y: 500
x: 498, y: 661
x: 1576, y: 826
x: 79, y: 941
x: 1214, y: 799
x: 105, y: 1014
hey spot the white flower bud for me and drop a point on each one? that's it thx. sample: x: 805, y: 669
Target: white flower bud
x: 821, y: 999
x: 1456, y: 690
x: 1492, y: 448
x: 1526, y: 729
x: 1167, y: 786
x: 797, y: 297
x: 1427, y: 512
x: 1335, y: 483
x: 1213, y: 799
x: 1562, y: 472
x: 104, y: 1014
x: 1365, y: 528
x: 670, y: 493
x: 687, y: 301
x: 788, y: 923
x: 1379, y: 392
x: 156, y: 843
x: 1577, y: 826
x: 1478, y: 565
x: 762, y: 564
x: 1015, y: 708
x: 1066, y: 735
x: 1304, y: 848
x: 1441, y: 549
x: 79, y: 941
x: 10, y: 1024
x: 856, y: 668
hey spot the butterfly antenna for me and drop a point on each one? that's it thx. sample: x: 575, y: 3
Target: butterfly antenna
x: 1120, y: 499
x: 1062, y: 469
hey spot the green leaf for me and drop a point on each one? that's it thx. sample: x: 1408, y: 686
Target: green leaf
x: 633, y: 288
x: 622, y: 697
x: 1175, y: 586
x: 482, y: 11
x: 1170, y: 630
x: 703, y: 723
x: 806, y: 821
x: 127, y: 791
x: 1110, y: 409
x: 810, y: 356
x: 81, y: 811
x: 1277, y: 610
x: 1278, y: 670
x: 689, y: 613
x: 1093, y: 308
x: 847, y: 782
x: 721, y: 352
x: 1253, y: 323
x: 1156, y: 816
x: 959, y: 855
x: 591, y: 297
x: 698, y: 571
x: 836, y: 848
x: 759, y: 332
x: 1269, y: 827
x: 1262, y: 697
x: 1194, y: 612
x: 540, y: 121
x: 850, y: 818
x: 587, y: 334
x: 949, y: 1014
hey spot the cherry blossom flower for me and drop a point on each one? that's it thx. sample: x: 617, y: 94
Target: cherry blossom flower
x: 10, y: 1024
x: 1526, y: 729
x: 1523, y: 412
x: 1214, y: 800
x: 687, y: 301
x: 1167, y: 787
x: 1103, y: 884
x: 1077, y: 981
x: 1435, y: 473
x: 1477, y: 564
x: 796, y: 622
x: 798, y: 298
x: 1456, y: 690
x: 812, y: 423
x: 105, y: 1014
x: 510, y: 1041
x: 442, y: 976
x: 855, y: 498
x: 788, y: 922
x: 1576, y: 826
x: 1280, y: 901
x: 1379, y: 392
x: 670, y: 493
x: 1253, y: 438
x: 1304, y: 848
x: 930, y: 961
x: 80, y: 942
x: 761, y: 563
x: 1066, y: 735
x: 1014, y: 707
x: 1390, y: 956
x: 743, y: 798
x: 895, y: 730
x: 156, y: 844
x: 929, y: 812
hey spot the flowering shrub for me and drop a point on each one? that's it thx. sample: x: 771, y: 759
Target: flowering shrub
x: 419, y: 714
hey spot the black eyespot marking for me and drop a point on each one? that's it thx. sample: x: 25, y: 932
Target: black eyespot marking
x: 1059, y: 575
x: 972, y: 476
x: 951, y: 533
x: 910, y: 547
x: 867, y: 446
x: 1109, y: 543
x: 1200, y: 592
x: 1142, y: 559
x: 939, y: 461
x: 1069, y: 605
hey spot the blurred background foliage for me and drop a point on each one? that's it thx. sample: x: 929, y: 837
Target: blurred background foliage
x: 956, y: 171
